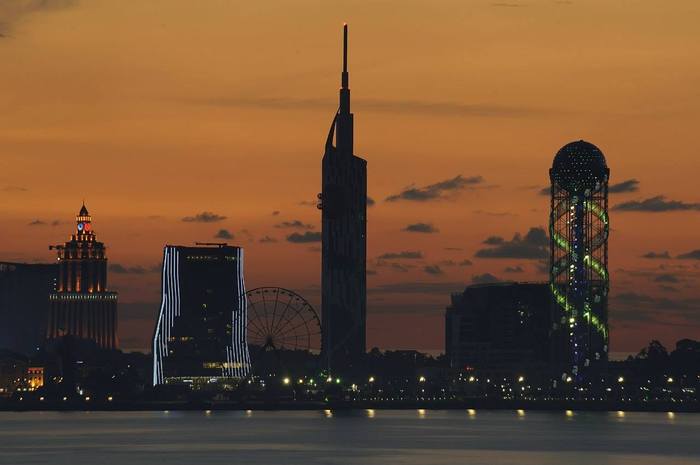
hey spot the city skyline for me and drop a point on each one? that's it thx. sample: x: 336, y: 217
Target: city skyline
x: 442, y: 177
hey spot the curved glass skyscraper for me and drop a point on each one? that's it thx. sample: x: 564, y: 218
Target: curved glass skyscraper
x: 343, y: 202
x: 579, y: 256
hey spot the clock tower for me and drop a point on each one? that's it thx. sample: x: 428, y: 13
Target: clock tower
x: 82, y: 306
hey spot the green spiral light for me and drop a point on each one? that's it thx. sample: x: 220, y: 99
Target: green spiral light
x: 590, y: 262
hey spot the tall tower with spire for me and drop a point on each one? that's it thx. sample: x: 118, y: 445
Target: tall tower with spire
x: 82, y: 306
x: 343, y: 202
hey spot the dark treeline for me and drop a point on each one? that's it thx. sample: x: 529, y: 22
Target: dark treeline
x: 77, y: 374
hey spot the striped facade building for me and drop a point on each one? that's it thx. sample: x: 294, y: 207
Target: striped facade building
x: 200, y: 336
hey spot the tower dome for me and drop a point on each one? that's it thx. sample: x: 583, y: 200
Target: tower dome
x: 579, y: 167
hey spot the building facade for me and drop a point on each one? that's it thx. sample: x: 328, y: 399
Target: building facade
x: 343, y: 202
x: 24, y: 305
x: 498, y: 326
x: 200, y: 335
x: 579, y: 282
x: 82, y: 305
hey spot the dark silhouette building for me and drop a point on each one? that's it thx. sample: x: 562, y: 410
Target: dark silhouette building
x: 24, y: 305
x: 82, y: 306
x: 200, y: 335
x: 343, y: 202
x: 498, y: 326
x: 579, y: 257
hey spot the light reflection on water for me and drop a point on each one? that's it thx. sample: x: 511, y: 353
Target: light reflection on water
x: 424, y: 437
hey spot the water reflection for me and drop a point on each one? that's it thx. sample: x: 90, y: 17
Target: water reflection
x: 367, y: 437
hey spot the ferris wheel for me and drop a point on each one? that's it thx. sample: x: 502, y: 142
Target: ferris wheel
x: 280, y: 319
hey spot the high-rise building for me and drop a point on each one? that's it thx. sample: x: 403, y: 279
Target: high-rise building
x: 200, y: 335
x: 343, y: 202
x: 82, y: 305
x: 579, y: 256
x: 498, y: 326
x: 24, y: 305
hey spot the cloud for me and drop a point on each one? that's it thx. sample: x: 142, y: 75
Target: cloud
x: 494, y: 240
x: 371, y: 272
x: 38, y: 222
x: 309, y: 203
x: 632, y: 306
x: 533, y: 246
x: 442, y: 108
x: 370, y: 201
x: 464, y: 262
x: 657, y: 255
x: 421, y: 228
x: 507, y: 5
x: 223, y: 234
x: 439, y: 288
x: 631, y: 185
x: 452, y: 248
x: 655, y: 205
x: 204, y: 217
x: 485, y: 278
x: 13, y: 11
x: 13, y: 188
x: 121, y: 269
x: 692, y: 255
x: 418, y: 107
x: 513, y: 269
x: 395, y: 266
x: 267, y: 240
x: 494, y: 214
x: 666, y: 278
x: 433, y: 270
x: 275, y: 212
x: 437, y: 191
x: 294, y: 224
x: 406, y: 254
x: 308, y: 236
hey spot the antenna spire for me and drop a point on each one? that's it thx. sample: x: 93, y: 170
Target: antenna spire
x: 345, y: 56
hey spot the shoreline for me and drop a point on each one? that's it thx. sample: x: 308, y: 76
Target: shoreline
x: 350, y: 406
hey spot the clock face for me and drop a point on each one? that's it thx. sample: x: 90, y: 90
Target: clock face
x: 86, y: 226
x: 81, y: 226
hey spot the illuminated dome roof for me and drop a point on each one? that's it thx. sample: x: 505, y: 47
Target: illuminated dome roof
x: 579, y: 167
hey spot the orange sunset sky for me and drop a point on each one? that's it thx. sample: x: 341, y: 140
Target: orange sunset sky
x: 156, y: 111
